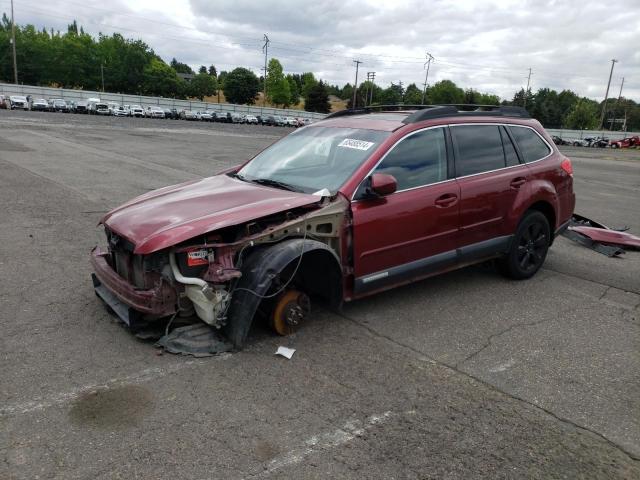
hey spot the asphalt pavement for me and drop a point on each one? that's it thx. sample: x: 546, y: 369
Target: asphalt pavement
x: 466, y: 375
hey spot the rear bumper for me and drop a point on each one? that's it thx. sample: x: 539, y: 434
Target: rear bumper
x: 159, y: 301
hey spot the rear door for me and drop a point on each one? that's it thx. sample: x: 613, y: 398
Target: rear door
x: 492, y: 180
x: 412, y: 232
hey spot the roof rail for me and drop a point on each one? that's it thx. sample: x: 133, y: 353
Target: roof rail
x: 425, y: 112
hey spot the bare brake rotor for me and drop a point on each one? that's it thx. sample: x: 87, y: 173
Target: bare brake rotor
x: 290, y: 311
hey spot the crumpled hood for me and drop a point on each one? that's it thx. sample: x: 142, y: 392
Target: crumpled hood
x: 170, y: 215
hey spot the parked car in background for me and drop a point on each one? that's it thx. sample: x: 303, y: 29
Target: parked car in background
x: 269, y: 120
x: 154, y: 112
x: 289, y: 122
x: 137, y: 111
x: 40, y: 105
x: 121, y: 111
x: 91, y: 105
x: 625, y: 142
x: 203, y: 116
x: 236, y: 118
x: 560, y: 141
x: 18, y: 102
x: 4, y: 100
x: 81, y: 106
x: 58, y: 105
x: 215, y: 116
x: 188, y: 115
x: 102, y: 108
x: 600, y: 142
x: 251, y: 119
x: 112, y: 107
x: 171, y: 113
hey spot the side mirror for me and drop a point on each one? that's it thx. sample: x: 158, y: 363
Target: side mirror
x: 381, y: 184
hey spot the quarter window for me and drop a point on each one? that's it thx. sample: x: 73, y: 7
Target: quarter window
x: 478, y: 149
x: 419, y: 159
x: 531, y: 145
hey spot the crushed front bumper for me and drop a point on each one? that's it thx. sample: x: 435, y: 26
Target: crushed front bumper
x: 127, y: 301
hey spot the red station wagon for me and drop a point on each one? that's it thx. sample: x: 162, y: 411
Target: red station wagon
x: 358, y: 203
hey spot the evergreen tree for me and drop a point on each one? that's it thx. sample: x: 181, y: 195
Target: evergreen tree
x: 317, y: 99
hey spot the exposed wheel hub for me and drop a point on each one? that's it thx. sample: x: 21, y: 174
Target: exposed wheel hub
x: 290, y: 311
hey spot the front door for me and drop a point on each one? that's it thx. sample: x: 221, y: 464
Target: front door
x: 414, y: 231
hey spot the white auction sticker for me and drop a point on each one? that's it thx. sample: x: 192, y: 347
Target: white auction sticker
x: 357, y: 144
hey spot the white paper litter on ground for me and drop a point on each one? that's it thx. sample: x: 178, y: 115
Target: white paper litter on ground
x: 285, y: 352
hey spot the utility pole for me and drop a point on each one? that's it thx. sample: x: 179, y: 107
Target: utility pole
x: 526, y: 92
x: 265, y: 49
x: 617, y: 105
x: 606, y: 95
x: 13, y: 46
x: 373, y: 84
x: 355, y: 85
x: 368, y: 98
x: 102, y: 74
x: 427, y: 64
x: 401, y: 92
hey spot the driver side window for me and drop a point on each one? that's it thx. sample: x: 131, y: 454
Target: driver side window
x: 419, y: 159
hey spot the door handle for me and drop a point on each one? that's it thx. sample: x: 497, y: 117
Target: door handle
x: 518, y: 182
x: 446, y: 200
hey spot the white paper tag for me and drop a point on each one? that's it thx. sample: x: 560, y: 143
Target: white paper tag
x: 285, y: 352
x: 356, y: 144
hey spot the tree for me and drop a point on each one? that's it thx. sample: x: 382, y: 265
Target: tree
x: 202, y: 69
x: 413, y: 95
x: 317, y: 99
x: 180, y: 67
x: 294, y: 96
x: 202, y: 85
x: 159, y: 79
x: 212, y: 71
x: 392, y: 95
x: 582, y: 116
x: 278, y: 91
x: 241, y: 86
x: 445, y: 91
x: 308, y: 82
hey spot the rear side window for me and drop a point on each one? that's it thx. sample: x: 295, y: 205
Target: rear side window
x: 531, y: 145
x: 478, y: 149
x: 419, y: 159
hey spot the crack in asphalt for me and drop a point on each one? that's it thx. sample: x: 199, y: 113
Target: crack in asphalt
x: 454, y: 368
x: 590, y: 280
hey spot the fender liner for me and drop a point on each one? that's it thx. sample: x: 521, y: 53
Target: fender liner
x: 259, y: 269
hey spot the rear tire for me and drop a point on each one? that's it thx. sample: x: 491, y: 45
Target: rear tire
x: 529, y: 247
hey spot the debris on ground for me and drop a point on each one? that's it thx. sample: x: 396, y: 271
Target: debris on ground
x: 611, y: 242
x: 285, y: 352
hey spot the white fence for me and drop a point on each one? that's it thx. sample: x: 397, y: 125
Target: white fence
x: 76, y: 95
x: 580, y: 134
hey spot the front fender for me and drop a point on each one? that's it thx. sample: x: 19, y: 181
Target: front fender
x: 260, y: 268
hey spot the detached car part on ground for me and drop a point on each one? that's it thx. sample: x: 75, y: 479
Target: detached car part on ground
x: 353, y: 205
x: 611, y: 242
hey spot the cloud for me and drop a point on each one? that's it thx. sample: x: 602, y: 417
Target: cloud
x: 487, y: 45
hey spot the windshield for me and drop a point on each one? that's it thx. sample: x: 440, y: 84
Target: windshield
x: 312, y: 159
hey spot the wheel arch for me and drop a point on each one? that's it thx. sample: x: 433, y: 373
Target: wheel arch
x: 546, y: 208
x: 319, y: 271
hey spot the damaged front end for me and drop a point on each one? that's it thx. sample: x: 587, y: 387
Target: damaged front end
x: 222, y: 278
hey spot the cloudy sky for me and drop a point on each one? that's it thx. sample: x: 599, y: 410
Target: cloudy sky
x: 488, y: 45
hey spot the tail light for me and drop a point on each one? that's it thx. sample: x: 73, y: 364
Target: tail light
x: 566, y: 166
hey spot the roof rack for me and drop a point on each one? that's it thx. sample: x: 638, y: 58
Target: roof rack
x: 425, y: 112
